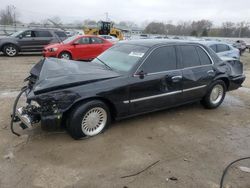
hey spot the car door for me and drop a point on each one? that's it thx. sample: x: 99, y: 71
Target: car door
x: 26, y: 40
x: 42, y: 38
x: 81, y: 49
x: 157, y: 83
x: 198, y: 71
x: 98, y: 46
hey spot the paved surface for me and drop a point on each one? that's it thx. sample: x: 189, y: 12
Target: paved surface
x: 191, y: 144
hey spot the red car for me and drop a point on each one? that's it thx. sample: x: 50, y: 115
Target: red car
x: 83, y: 47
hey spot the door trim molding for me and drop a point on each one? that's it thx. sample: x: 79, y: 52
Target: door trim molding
x: 164, y: 94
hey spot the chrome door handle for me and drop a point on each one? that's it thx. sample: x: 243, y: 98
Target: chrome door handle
x: 210, y: 71
x: 176, y: 78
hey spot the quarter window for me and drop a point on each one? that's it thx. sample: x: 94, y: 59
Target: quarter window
x: 222, y: 48
x: 189, y: 56
x: 204, y: 59
x: 161, y: 59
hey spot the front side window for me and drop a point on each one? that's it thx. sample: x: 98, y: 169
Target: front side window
x: 84, y: 40
x: 28, y: 34
x: 189, y: 56
x: 161, y: 59
x: 122, y: 57
x: 222, y: 48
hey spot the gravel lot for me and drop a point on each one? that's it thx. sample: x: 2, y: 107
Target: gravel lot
x: 191, y: 144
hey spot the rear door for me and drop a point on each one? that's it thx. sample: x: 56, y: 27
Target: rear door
x: 98, y: 46
x: 42, y: 38
x: 161, y: 86
x: 197, y: 72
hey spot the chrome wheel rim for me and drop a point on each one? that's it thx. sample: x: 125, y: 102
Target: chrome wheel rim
x: 65, y: 56
x: 11, y: 51
x: 94, y: 121
x: 216, y: 94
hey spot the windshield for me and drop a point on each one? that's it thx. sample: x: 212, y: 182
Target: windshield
x: 70, y: 39
x: 16, y: 33
x: 122, y: 57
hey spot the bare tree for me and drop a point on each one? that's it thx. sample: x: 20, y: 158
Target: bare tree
x: 155, y: 28
x: 8, y: 15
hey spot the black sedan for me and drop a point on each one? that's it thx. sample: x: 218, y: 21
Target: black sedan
x: 129, y: 79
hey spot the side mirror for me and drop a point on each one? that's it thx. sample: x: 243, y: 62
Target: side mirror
x: 76, y: 43
x: 20, y: 36
x: 141, y: 74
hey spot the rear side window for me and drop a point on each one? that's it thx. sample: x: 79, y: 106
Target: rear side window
x: 204, y: 59
x: 43, y: 34
x: 189, y: 56
x: 60, y: 34
x: 96, y: 40
x: 161, y: 59
x: 213, y: 47
x: 222, y: 48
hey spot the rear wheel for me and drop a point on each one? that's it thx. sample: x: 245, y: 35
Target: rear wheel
x: 88, y: 119
x: 65, y: 55
x: 10, y: 50
x: 215, y: 95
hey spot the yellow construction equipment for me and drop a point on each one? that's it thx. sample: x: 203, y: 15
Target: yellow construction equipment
x: 104, y: 28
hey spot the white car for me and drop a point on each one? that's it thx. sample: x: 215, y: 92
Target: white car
x: 110, y: 38
x: 223, y: 49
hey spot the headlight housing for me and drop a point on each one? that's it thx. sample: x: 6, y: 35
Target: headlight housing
x: 52, y: 49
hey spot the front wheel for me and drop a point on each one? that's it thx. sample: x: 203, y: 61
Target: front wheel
x: 88, y: 119
x: 10, y: 50
x: 65, y: 55
x: 215, y: 95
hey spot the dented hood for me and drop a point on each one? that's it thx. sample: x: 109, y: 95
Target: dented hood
x: 53, y: 74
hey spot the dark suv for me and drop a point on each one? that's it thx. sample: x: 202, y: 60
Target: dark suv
x: 31, y: 40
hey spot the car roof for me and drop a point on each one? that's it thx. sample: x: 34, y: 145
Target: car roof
x: 208, y: 43
x: 155, y: 42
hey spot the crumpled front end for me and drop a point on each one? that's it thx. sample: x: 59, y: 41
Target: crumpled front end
x: 45, y: 109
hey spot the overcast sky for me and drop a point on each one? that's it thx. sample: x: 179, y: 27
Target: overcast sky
x: 138, y: 11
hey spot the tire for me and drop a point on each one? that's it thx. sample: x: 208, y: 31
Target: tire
x: 88, y: 119
x: 10, y: 50
x: 215, y: 95
x: 65, y: 55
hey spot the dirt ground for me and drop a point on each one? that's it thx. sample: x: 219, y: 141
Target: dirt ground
x: 192, y: 145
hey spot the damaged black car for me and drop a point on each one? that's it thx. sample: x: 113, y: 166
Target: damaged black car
x: 131, y: 78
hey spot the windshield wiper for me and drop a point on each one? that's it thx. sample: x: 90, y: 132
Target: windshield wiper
x: 104, y: 64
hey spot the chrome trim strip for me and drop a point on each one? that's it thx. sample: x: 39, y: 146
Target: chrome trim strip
x: 152, y: 97
x: 163, y: 95
x: 194, y: 88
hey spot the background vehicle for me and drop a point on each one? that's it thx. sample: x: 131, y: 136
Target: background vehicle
x: 128, y: 79
x: 82, y: 47
x: 110, y: 38
x: 223, y: 49
x: 104, y: 28
x: 32, y: 40
x: 241, y: 45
